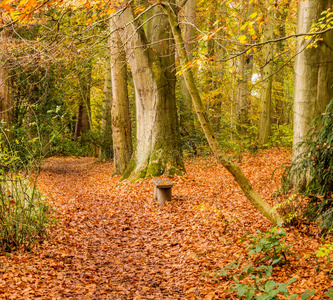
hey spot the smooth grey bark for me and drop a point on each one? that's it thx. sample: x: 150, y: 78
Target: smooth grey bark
x: 189, y: 19
x: 313, y: 75
x: 106, y: 130
x: 266, y: 89
x: 157, y: 149
x: 220, y: 155
x: 121, y: 123
x: 83, y: 120
x: 186, y: 120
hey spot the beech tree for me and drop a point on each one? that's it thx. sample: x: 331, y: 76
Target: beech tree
x: 185, y: 107
x: 106, y: 130
x: 6, y: 101
x: 313, y: 74
x: 151, y: 59
x: 121, y: 123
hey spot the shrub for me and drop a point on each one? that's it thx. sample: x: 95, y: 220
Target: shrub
x: 271, y: 246
x: 24, y: 213
x: 316, y: 161
x: 270, y: 249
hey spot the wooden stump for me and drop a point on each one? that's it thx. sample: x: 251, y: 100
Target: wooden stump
x: 162, y: 190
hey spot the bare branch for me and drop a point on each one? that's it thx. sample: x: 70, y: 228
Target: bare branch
x: 182, y: 4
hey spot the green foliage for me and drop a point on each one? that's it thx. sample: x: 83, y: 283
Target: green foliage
x: 268, y: 247
x: 19, y: 149
x: 24, y: 214
x: 62, y: 143
x: 326, y: 251
x: 316, y: 161
x: 268, y: 290
x: 282, y: 136
x: 271, y: 246
x: 329, y: 293
x: 290, y: 210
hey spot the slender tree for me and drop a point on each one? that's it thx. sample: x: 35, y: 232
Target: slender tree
x: 244, y: 74
x: 106, y: 136
x: 313, y: 74
x: 266, y: 90
x: 186, y: 110
x: 282, y: 14
x: 6, y: 100
x: 121, y: 123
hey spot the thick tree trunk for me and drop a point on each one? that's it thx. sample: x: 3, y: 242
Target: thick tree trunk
x: 83, y: 121
x: 6, y: 100
x: 266, y: 90
x: 157, y: 148
x: 106, y: 131
x: 313, y: 75
x: 121, y: 123
x: 224, y: 159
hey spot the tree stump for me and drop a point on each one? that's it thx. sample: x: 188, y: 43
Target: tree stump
x: 162, y: 190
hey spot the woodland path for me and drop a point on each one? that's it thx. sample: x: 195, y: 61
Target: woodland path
x: 113, y: 242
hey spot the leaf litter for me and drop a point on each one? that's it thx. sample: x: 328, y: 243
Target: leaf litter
x: 112, y: 241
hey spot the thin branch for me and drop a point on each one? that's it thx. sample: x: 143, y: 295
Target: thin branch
x: 279, y: 69
x: 274, y: 41
x: 182, y: 4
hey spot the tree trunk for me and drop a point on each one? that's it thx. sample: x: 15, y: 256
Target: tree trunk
x: 157, y: 148
x: 106, y: 131
x: 245, y: 66
x: 121, y: 123
x: 187, y: 117
x: 280, y: 102
x: 241, y: 95
x: 224, y: 159
x: 6, y: 100
x: 83, y: 121
x: 266, y: 94
x: 313, y: 75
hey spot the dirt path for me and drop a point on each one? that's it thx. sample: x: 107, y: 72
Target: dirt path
x: 113, y: 242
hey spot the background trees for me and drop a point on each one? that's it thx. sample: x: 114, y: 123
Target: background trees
x: 59, y: 69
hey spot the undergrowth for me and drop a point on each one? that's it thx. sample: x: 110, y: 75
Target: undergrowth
x: 24, y: 213
x: 314, y: 167
x: 254, y: 281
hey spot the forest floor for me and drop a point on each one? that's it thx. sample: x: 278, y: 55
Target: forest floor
x: 112, y: 241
